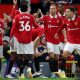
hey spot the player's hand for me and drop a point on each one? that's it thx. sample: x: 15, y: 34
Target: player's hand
x: 39, y: 11
x: 56, y: 36
x: 14, y: 2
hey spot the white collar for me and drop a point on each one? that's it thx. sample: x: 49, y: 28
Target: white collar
x: 60, y: 14
x: 72, y: 18
x: 54, y: 16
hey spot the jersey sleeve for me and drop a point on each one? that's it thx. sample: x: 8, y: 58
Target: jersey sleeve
x: 13, y: 12
x: 42, y: 19
x: 13, y: 29
x: 2, y: 24
x: 62, y: 26
x: 34, y: 23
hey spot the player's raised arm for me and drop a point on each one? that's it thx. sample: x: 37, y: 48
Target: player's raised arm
x: 13, y: 29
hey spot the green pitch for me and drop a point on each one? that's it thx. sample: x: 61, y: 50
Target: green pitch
x: 42, y: 79
x: 55, y: 79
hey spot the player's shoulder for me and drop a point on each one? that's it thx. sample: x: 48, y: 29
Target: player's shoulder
x: 45, y: 17
x: 17, y: 16
x: 24, y: 15
x: 30, y: 16
x: 1, y: 21
x: 78, y: 17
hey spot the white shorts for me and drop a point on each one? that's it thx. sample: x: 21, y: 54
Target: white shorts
x: 71, y: 47
x: 53, y: 48
x: 14, y: 42
x: 25, y: 48
x: 61, y: 46
x: 1, y: 51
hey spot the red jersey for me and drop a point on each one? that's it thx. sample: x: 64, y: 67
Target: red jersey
x: 22, y: 27
x: 35, y: 1
x: 73, y: 30
x: 51, y: 26
x: 61, y: 36
x: 1, y: 27
x: 14, y: 12
x: 37, y: 32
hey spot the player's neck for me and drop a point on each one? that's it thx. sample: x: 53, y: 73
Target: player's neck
x: 53, y: 15
x: 72, y: 17
x: 62, y: 12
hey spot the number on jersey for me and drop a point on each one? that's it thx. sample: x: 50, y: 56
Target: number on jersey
x: 25, y: 27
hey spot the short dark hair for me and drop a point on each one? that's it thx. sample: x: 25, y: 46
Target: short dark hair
x: 60, y: 4
x: 54, y: 4
x: 23, y: 5
x: 72, y: 9
x: 76, y: 9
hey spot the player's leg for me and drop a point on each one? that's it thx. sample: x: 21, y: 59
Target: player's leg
x: 69, y: 48
x: 61, y: 47
x: 51, y: 52
x: 20, y: 63
x: 29, y: 50
x: 36, y: 63
x: 20, y: 58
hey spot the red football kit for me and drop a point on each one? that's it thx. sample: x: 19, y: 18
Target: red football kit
x: 37, y: 32
x: 52, y: 25
x: 1, y: 27
x: 22, y: 27
x: 73, y: 30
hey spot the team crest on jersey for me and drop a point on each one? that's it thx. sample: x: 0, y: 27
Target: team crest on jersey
x: 76, y: 23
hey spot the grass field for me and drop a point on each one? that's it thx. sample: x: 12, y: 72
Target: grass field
x: 54, y: 79
x: 43, y: 79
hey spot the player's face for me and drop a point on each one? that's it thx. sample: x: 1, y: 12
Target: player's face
x: 53, y: 9
x: 68, y: 13
x: 60, y: 8
x: 35, y: 15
